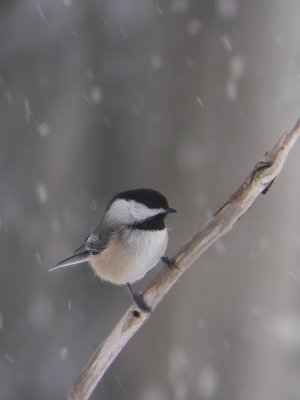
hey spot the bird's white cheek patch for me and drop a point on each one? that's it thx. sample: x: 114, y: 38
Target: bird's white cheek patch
x: 128, y: 212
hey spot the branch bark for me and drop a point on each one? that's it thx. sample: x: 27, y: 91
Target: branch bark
x: 258, y: 181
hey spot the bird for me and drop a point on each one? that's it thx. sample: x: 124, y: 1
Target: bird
x: 130, y: 240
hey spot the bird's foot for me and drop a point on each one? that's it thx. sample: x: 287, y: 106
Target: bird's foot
x: 139, y: 300
x: 169, y: 262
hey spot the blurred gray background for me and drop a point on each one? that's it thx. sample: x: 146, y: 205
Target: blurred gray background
x: 181, y: 96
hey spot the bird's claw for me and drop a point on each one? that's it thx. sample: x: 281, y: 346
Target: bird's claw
x: 140, y: 302
x: 169, y: 262
x: 139, y: 299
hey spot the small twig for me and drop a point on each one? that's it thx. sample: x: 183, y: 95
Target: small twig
x: 257, y: 182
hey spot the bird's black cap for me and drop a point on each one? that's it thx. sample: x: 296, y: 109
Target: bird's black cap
x: 151, y: 198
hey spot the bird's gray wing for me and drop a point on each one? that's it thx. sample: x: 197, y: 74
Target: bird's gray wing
x: 93, y: 244
x: 96, y: 241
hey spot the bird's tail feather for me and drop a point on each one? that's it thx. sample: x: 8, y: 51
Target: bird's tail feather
x: 73, y: 260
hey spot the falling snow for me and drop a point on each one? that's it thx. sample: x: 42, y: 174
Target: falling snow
x: 42, y: 193
x: 179, y: 6
x: 1, y: 322
x: 55, y: 224
x: 96, y: 95
x: 220, y: 247
x: 236, y: 72
x: 190, y: 62
x: 263, y: 243
x: 75, y: 33
x: 41, y: 312
x: 178, y: 362
x: 159, y: 10
x: 180, y: 390
x: 44, y: 129
x: 63, y: 354
x: 27, y: 109
x: 287, y: 330
x: 67, y: 3
x: 153, y: 392
x: 236, y: 67
x: 194, y: 27
x: 89, y: 74
x: 227, y: 9
x: 156, y: 61
x: 40, y: 10
x: 9, y: 97
x: 9, y: 358
x: 124, y: 32
x: 207, y: 383
x: 201, y: 324
x: 94, y: 205
x: 189, y: 155
x: 228, y: 46
x: 38, y: 258
x: 231, y: 90
x: 200, y: 101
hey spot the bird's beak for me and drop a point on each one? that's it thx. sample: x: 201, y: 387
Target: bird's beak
x: 170, y: 210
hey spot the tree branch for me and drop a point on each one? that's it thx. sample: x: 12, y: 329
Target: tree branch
x: 259, y: 181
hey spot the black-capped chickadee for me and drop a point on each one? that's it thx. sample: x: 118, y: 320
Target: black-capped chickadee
x: 130, y: 240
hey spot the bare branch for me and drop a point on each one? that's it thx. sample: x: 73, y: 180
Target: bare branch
x: 256, y: 183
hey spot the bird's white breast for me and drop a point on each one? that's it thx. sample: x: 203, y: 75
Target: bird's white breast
x: 128, y: 260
